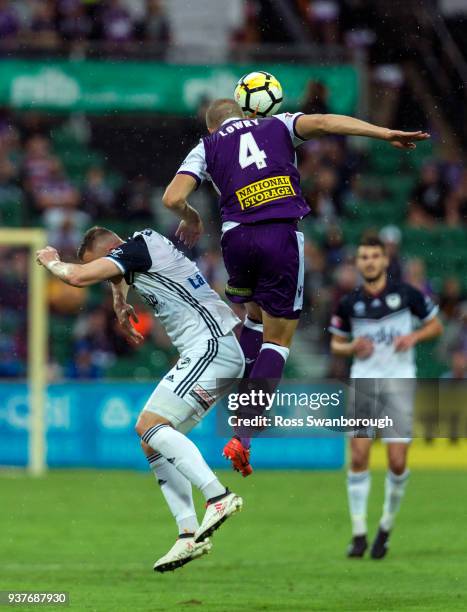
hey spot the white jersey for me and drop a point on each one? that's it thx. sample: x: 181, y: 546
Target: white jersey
x: 382, y: 318
x: 172, y: 285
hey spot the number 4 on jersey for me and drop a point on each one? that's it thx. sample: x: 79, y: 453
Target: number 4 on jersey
x: 249, y: 152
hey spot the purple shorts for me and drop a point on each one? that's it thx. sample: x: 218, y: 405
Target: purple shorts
x: 264, y: 262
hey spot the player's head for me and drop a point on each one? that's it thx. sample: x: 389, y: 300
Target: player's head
x: 372, y: 260
x: 220, y: 110
x: 97, y: 242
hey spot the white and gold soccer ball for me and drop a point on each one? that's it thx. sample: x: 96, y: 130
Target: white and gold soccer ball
x: 259, y: 93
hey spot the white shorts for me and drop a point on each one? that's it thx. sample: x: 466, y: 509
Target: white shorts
x: 191, y: 388
x: 386, y: 397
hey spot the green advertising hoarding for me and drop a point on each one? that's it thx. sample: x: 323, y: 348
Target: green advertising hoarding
x: 115, y: 86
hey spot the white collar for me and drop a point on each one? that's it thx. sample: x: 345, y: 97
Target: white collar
x: 232, y: 119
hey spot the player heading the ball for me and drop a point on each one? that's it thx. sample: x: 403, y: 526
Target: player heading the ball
x: 251, y: 162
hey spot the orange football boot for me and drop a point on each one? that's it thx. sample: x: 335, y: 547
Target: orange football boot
x: 239, y: 456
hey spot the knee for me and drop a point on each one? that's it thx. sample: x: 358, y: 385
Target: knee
x: 146, y: 448
x: 359, y: 462
x: 144, y: 422
x: 397, y: 465
x: 141, y: 425
x: 253, y: 312
x: 139, y: 428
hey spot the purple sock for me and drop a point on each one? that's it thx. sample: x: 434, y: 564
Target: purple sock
x: 270, y: 362
x: 269, y: 366
x: 251, y: 339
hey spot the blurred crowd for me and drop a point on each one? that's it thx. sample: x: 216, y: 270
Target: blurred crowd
x: 35, y: 187
x: 331, y: 172
x: 54, y: 23
x: 48, y: 23
x: 440, y: 195
x: 223, y: 25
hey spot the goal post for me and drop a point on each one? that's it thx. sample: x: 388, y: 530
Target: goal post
x: 34, y: 239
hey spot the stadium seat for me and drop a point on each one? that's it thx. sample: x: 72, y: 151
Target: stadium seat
x: 11, y: 212
x: 61, y: 338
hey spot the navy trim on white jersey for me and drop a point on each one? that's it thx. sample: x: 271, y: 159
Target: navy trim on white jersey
x: 118, y: 263
x: 391, y: 315
x: 296, y: 134
x: 431, y: 315
x: 187, y: 297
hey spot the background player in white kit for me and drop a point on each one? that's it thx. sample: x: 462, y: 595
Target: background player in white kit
x: 379, y: 318
x: 200, y: 326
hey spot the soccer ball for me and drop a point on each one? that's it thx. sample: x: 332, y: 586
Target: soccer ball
x: 259, y: 93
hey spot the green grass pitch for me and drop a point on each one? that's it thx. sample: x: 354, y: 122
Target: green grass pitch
x: 97, y: 534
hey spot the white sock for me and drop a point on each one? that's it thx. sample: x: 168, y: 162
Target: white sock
x: 177, y: 492
x: 394, y: 488
x: 184, y: 455
x: 358, y: 489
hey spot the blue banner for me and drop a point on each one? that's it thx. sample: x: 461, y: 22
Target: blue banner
x: 92, y: 425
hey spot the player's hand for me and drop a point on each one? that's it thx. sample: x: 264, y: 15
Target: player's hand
x: 47, y: 255
x: 125, y: 314
x: 189, y: 231
x: 406, y: 140
x: 362, y: 347
x: 404, y: 343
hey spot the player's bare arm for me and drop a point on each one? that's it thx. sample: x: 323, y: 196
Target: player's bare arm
x: 360, y: 347
x: 125, y: 312
x: 78, y: 275
x: 309, y: 126
x: 175, y: 199
x: 431, y: 329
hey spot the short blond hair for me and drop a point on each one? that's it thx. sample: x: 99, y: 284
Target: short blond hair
x: 220, y: 110
x: 92, y: 237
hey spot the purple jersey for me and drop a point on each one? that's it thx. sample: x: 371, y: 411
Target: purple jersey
x: 252, y: 165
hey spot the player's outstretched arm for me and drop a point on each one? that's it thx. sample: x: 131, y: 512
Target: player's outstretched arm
x: 78, y: 275
x: 175, y: 199
x: 309, y: 126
